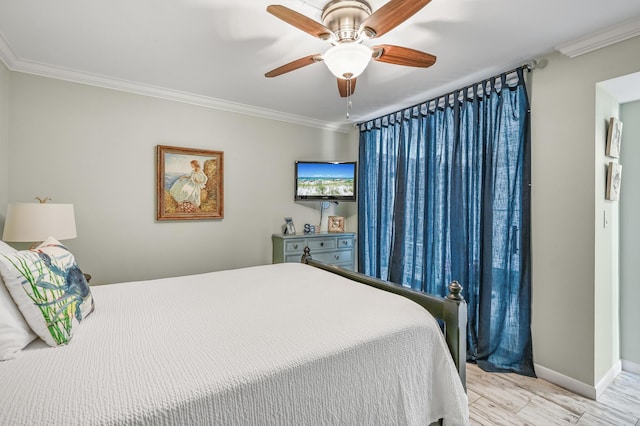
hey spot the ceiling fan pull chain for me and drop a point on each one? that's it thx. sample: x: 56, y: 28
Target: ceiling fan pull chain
x: 348, y: 96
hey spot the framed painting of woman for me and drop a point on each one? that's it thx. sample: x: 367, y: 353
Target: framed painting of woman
x: 189, y: 183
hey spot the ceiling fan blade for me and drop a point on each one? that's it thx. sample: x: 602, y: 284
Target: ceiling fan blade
x: 390, y: 15
x: 299, y: 21
x: 294, y: 65
x: 402, y: 56
x: 343, y: 87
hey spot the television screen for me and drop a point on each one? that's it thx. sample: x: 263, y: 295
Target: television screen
x: 325, y: 181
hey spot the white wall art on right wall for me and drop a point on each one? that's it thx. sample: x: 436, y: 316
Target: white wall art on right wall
x: 614, y: 178
x: 614, y: 137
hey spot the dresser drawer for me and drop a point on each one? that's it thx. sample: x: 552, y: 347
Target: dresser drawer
x: 295, y: 246
x: 336, y: 256
x: 346, y: 242
x: 293, y: 258
x: 322, y: 244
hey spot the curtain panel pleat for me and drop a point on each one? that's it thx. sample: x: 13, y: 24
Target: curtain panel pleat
x: 444, y: 194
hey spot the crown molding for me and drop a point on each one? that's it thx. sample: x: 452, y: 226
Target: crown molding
x: 7, y: 55
x: 14, y: 63
x: 599, y: 39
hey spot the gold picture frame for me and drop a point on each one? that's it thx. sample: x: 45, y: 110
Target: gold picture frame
x: 335, y: 224
x: 190, y: 184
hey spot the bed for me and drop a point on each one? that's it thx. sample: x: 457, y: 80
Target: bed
x: 282, y: 344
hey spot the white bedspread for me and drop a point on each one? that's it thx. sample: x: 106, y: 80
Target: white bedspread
x: 283, y: 344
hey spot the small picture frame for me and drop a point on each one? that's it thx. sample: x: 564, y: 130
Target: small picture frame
x: 336, y: 224
x: 614, y: 179
x: 289, y: 227
x: 614, y: 138
x: 311, y: 229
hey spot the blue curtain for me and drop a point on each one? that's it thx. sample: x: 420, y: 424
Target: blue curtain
x: 444, y: 194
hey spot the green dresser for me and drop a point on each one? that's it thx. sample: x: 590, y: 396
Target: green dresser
x: 335, y: 248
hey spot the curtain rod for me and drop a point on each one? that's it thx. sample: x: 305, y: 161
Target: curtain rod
x: 529, y: 66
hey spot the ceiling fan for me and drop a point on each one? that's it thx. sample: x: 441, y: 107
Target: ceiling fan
x: 346, y: 24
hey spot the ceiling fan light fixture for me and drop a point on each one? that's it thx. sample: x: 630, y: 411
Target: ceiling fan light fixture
x: 347, y: 60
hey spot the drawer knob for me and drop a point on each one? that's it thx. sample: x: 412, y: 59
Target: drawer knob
x: 321, y: 244
x: 295, y: 246
x: 337, y: 256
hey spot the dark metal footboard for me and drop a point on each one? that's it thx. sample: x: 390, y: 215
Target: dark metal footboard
x: 452, y: 310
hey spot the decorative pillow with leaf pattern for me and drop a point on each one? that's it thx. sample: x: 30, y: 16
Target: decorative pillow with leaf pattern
x: 15, y: 333
x: 49, y: 289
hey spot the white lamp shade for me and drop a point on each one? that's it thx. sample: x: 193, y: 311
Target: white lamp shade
x: 30, y: 222
x: 347, y: 60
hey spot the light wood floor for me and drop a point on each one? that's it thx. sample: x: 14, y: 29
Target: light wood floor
x: 511, y: 400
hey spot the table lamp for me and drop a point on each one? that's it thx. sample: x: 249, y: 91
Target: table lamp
x: 35, y: 222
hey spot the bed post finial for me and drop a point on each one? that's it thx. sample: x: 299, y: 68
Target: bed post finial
x: 306, y: 256
x: 454, y: 291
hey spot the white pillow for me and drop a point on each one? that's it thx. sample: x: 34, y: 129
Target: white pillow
x: 6, y: 248
x: 15, y: 334
x: 49, y: 289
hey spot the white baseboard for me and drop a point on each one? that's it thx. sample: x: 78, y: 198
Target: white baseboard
x: 566, y: 382
x: 631, y: 367
x: 604, y: 383
x: 576, y: 386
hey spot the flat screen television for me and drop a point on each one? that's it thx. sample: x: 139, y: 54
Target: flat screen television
x: 325, y: 181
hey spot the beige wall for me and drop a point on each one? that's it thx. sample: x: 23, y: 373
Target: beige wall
x: 630, y: 235
x: 4, y: 141
x: 95, y: 148
x: 572, y: 261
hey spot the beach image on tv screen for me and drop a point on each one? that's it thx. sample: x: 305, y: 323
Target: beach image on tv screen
x: 325, y: 179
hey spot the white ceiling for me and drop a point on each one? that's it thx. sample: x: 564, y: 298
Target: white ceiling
x: 215, y: 52
x: 625, y: 88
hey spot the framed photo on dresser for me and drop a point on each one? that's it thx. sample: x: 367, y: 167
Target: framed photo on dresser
x: 289, y: 227
x: 336, y: 224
